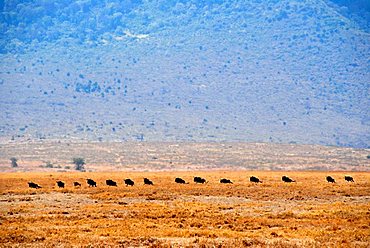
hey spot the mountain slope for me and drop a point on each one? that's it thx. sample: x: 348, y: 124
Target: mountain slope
x: 278, y: 71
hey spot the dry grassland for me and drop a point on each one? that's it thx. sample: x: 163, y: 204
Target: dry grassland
x: 308, y: 213
x: 191, y: 156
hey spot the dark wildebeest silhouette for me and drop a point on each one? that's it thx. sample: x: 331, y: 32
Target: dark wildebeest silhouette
x: 91, y: 182
x: 34, y: 185
x: 287, y: 179
x: 76, y: 184
x: 199, y: 180
x: 349, y: 179
x: 129, y: 182
x: 147, y: 181
x: 330, y: 179
x: 110, y: 182
x: 180, y: 180
x: 254, y: 179
x: 60, y: 184
x: 224, y: 180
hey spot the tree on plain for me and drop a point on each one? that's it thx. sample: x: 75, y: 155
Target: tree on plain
x: 14, y: 162
x: 79, y: 164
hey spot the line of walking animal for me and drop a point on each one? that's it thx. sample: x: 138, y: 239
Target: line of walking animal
x: 197, y: 180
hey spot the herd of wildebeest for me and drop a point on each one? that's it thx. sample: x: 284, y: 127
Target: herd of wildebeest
x: 129, y: 182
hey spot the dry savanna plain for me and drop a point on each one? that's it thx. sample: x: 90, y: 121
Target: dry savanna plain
x: 307, y: 213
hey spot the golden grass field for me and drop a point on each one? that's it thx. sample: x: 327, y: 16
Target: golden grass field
x: 308, y: 213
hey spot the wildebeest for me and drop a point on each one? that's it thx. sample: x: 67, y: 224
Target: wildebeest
x: 287, y: 179
x: 91, y: 182
x: 129, y: 182
x: 60, y: 184
x: 199, y: 180
x: 34, y: 185
x: 224, y: 180
x: 180, y: 180
x: 147, y: 181
x: 254, y: 179
x: 349, y: 179
x: 330, y: 179
x: 110, y: 182
x: 76, y: 184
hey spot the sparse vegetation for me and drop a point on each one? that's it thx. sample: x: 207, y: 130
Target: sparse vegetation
x: 49, y: 165
x: 14, y: 161
x: 105, y: 156
x: 79, y: 163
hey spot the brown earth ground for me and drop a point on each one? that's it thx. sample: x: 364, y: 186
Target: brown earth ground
x: 308, y: 213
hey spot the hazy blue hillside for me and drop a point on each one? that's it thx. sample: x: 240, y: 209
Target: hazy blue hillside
x: 278, y: 71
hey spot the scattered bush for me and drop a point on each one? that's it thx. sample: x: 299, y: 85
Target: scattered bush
x: 49, y: 165
x: 14, y: 162
x: 79, y: 164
